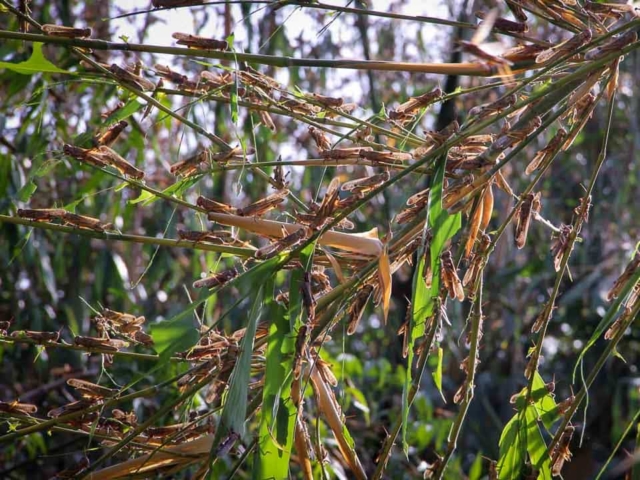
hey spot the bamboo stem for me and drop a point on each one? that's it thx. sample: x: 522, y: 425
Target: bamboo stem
x: 470, y: 69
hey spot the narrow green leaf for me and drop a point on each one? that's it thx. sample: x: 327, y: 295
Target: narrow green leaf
x: 512, y: 452
x: 234, y: 411
x: 27, y: 190
x: 443, y: 227
x: 475, y: 472
x: 35, y: 64
x: 275, y: 440
x: 295, y: 294
x: 536, y: 446
x: 173, y: 335
x: 176, y: 190
x: 131, y: 107
x: 437, y: 373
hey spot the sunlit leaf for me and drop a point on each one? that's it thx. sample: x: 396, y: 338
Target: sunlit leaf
x: 443, y: 227
x: 512, y: 450
x: 235, y: 408
x: 278, y: 411
x: 536, y: 447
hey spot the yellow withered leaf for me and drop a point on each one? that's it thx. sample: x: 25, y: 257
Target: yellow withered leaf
x: 384, y: 274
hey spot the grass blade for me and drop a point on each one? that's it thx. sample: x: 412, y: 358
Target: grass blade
x: 443, y: 226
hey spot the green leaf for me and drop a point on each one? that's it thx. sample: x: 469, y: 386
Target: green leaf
x: 234, y: 411
x: 173, y: 335
x: 475, y: 472
x: 443, y: 227
x: 27, y: 190
x: 131, y: 107
x: 536, y: 447
x: 437, y: 373
x: 512, y: 451
x: 176, y: 190
x: 35, y: 64
x: 278, y: 411
x: 545, y: 404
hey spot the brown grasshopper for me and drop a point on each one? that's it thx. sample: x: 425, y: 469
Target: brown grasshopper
x: 624, y: 277
x: 112, y: 158
x: 16, y: 407
x: 385, y: 156
x: 190, y: 165
x: 131, y: 79
x: 343, y: 153
x: 41, y: 214
x: 548, y: 152
x: 108, y: 344
x: 83, y: 221
x: 561, y: 452
x: 615, y: 45
x: 554, y: 53
x: 266, y: 120
x: 325, y: 101
x: 523, y: 53
x: 321, y: 140
x: 91, y: 390
x: 416, y: 103
x: 168, y: 74
x: 111, y: 134
x: 217, y: 279
x: 213, y: 206
x: 560, y: 245
x: 70, y: 408
x: 263, y: 205
x: 219, y: 237
x: 308, y: 300
x: 515, y: 136
x: 38, y: 337
x: 474, y: 46
x: 84, y: 155
x: 494, y: 108
x: 450, y: 277
x: 530, y: 205
x: 236, y: 153
x: 66, y: 32
x: 198, y: 42
x: 365, y: 184
x: 504, y: 25
x: 287, y: 242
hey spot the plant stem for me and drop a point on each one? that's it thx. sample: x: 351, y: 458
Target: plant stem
x: 470, y: 69
x: 108, y: 236
x: 475, y: 333
x: 96, y: 350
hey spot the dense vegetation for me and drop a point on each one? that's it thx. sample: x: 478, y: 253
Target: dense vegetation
x: 296, y: 239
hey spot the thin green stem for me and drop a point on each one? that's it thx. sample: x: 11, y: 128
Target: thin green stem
x: 475, y: 333
x: 109, y: 236
x: 96, y: 350
x: 469, y: 69
x: 385, y: 451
